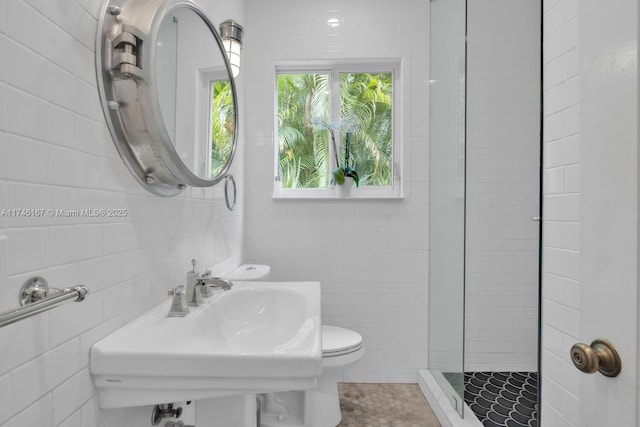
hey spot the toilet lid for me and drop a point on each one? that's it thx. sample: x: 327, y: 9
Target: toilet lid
x: 338, y: 341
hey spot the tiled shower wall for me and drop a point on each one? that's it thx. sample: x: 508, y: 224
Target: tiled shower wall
x: 562, y: 204
x: 56, y: 153
x: 370, y: 255
x: 503, y: 180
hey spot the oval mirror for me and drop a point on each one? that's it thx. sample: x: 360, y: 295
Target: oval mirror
x: 167, y: 92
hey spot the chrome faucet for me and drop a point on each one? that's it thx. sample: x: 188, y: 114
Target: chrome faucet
x: 214, y: 282
x: 198, y: 284
x: 178, y: 306
x: 193, y: 293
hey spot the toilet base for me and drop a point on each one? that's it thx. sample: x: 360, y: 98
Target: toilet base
x: 318, y: 407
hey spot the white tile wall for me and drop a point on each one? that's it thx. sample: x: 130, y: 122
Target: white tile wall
x: 503, y: 158
x: 561, y: 240
x: 55, y: 153
x: 371, y: 256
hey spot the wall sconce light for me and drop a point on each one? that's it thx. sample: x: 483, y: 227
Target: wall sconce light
x: 231, y: 35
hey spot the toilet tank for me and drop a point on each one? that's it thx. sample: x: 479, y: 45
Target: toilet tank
x: 250, y: 272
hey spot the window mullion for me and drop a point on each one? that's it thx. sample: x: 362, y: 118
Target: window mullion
x: 335, y: 115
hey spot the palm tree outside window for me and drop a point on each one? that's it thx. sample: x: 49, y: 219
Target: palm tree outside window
x: 305, y: 156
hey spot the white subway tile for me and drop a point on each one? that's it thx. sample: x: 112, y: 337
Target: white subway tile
x: 28, y: 249
x: 137, y: 263
x: 92, y: 336
x: 22, y: 159
x: 38, y: 414
x: 553, y: 20
x: 556, y: 368
x: 562, y: 152
x: 554, y: 234
x: 89, y: 136
x: 120, y: 237
x: 73, y: 319
x: 573, y: 176
x: 63, y: 166
x: 100, y: 273
x: 117, y: 299
x: 561, y: 41
x: 37, y: 119
x: 548, y: 4
x: 71, y: 18
x: 562, y: 317
x: 563, y: 96
x: 37, y: 377
x: 91, y: 413
x: 562, y: 262
x: 17, y: 350
x: 71, y: 395
x: 562, y: 207
x: 571, y: 9
x: 571, y: 408
x: 41, y: 35
x: 572, y: 120
x: 93, y: 7
x: 7, y: 407
x: 75, y: 243
x: 3, y: 17
x: 43, y: 200
x: 572, y: 236
x: 553, y: 287
x: 3, y: 107
x: 65, y: 89
x: 26, y: 70
x: 5, y: 296
x: 554, y: 180
x: 74, y: 420
x: 85, y: 63
x: 571, y: 62
x: 552, y: 417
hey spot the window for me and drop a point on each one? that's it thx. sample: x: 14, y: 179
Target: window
x: 221, y: 123
x: 316, y: 114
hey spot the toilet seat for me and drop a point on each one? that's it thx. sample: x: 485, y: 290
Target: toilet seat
x: 339, y: 341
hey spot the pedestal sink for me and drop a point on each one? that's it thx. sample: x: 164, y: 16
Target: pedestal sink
x: 257, y: 337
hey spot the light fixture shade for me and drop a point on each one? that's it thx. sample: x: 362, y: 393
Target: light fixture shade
x: 231, y: 34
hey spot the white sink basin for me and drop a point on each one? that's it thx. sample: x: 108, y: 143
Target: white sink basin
x: 257, y: 337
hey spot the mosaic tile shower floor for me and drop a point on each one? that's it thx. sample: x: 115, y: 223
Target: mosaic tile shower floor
x: 384, y: 405
x: 503, y: 399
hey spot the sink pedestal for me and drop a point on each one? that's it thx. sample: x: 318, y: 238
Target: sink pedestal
x: 228, y: 411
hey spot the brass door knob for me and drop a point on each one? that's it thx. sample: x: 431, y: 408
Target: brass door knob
x: 601, y: 356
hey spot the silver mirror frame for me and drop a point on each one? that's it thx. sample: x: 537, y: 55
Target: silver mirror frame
x: 125, y: 67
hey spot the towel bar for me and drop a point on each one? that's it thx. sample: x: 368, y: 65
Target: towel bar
x: 36, y: 296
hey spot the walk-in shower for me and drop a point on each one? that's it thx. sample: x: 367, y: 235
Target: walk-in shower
x: 484, y: 197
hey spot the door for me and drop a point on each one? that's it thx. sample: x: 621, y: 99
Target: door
x: 609, y: 206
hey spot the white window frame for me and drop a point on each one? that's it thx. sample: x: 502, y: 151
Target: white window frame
x: 334, y: 69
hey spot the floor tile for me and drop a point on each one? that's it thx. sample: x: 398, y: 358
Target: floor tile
x: 384, y: 405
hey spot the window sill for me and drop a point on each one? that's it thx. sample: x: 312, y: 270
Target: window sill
x: 361, y: 193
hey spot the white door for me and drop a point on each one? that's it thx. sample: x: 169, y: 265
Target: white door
x: 610, y: 205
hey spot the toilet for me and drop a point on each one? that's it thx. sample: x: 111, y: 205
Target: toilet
x: 320, y: 406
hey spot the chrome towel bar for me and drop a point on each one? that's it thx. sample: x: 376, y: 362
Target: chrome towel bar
x: 36, y: 296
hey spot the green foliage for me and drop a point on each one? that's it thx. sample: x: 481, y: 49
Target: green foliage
x: 369, y: 98
x: 303, y: 150
x: 222, y: 125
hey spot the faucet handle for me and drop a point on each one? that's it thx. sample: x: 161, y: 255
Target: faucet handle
x: 178, y: 290
x: 178, y: 306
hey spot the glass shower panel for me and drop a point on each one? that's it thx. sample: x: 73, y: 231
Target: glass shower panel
x: 447, y: 197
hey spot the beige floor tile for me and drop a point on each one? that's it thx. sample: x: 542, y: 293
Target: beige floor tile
x: 384, y: 405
